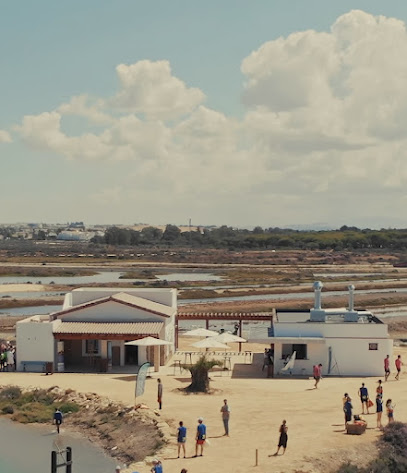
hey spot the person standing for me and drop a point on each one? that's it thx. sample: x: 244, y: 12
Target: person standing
x: 379, y: 389
x: 390, y: 411
x: 282, y: 442
x: 181, y: 437
x: 225, y: 410
x: 265, y: 359
x: 10, y: 358
x: 347, y: 409
x: 398, y: 364
x: 364, y: 398
x: 386, y: 367
x: 57, y: 418
x: 159, y: 393
x: 317, y: 371
x: 157, y: 466
x: 379, y: 411
x: 200, y: 437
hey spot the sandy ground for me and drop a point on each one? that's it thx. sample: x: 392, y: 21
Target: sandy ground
x: 22, y: 288
x: 317, y: 441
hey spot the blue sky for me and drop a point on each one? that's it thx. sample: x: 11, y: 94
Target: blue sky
x: 53, y: 51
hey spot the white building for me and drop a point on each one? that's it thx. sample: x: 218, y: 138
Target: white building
x: 90, y: 331
x: 346, y: 341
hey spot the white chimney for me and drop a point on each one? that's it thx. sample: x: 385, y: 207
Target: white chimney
x: 351, y: 298
x: 317, y: 288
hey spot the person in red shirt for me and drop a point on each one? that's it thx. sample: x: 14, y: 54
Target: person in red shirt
x: 398, y: 366
x: 386, y: 367
x: 317, y: 371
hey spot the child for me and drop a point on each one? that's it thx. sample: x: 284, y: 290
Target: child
x: 390, y: 411
x: 379, y: 411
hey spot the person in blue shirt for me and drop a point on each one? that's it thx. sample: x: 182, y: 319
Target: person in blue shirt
x: 364, y: 398
x: 57, y: 418
x: 200, y: 436
x: 181, y: 437
x: 347, y: 409
x: 157, y: 466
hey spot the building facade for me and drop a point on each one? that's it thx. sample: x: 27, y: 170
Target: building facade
x: 346, y: 341
x: 91, y: 330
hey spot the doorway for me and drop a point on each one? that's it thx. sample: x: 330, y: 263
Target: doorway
x: 131, y: 355
x: 115, y: 356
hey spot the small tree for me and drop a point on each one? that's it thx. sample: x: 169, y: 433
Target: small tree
x: 199, y: 374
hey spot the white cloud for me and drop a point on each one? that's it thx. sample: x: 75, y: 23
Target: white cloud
x: 79, y: 106
x: 5, y: 137
x: 324, y: 128
x: 150, y: 89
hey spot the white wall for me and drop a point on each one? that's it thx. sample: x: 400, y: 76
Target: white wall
x: 316, y: 353
x: 350, y: 357
x: 142, y: 355
x: 35, y: 342
x: 353, y: 357
x: 330, y: 329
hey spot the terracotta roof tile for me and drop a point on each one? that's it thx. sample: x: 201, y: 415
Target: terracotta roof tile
x: 118, y: 328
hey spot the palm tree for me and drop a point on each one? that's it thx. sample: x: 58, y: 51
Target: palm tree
x: 199, y: 374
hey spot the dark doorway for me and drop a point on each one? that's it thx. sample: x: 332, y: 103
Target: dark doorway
x: 115, y: 356
x: 131, y: 355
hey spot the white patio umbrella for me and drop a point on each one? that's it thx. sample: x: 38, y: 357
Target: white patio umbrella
x: 151, y: 342
x: 200, y: 332
x: 209, y: 343
x: 148, y: 342
x: 226, y: 337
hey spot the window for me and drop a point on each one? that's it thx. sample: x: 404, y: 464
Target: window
x: 91, y: 347
x: 373, y: 346
x: 289, y: 349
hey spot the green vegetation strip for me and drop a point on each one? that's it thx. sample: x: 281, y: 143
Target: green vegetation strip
x: 33, y: 406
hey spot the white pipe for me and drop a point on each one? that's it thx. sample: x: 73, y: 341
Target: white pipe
x: 351, y: 297
x: 317, y: 289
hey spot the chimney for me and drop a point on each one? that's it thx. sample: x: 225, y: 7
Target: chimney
x: 351, y: 298
x: 317, y: 288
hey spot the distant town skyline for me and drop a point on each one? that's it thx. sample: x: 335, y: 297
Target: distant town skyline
x: 271, y: 114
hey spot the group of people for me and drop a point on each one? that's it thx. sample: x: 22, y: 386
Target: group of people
x: 363, y: 393
x: 7, y: 357
x: 367, y: 403
x: 398, y: 364
x: 200, y: 436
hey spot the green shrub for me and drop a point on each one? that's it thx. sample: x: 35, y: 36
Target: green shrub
x: 10, y: 392
x: 68, y: 407
x: 7, y: 410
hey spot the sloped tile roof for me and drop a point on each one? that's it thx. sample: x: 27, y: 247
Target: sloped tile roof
x: 108, y: 328
x: 126, y: 299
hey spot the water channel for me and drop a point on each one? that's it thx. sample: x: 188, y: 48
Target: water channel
x: 27, y: 449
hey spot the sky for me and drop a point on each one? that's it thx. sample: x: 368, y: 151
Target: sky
x: 240, y: 113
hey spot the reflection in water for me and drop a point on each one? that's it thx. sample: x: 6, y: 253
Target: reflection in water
x: 38, y: 442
